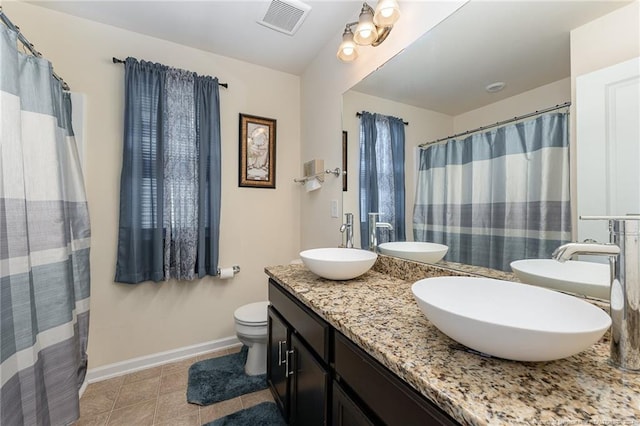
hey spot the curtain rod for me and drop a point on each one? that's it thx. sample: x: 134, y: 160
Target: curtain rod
x: 120, y: 61
x: 406, y: 123
x: 499, y: 123
x: 26, y: 43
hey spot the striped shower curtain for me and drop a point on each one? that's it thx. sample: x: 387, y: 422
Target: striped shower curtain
x: 44, y: 246
x: 497, y: 196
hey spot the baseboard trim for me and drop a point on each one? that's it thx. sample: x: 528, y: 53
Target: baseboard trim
x: 136, y: 364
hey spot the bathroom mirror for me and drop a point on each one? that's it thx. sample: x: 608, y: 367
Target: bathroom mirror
x: 438, y: 84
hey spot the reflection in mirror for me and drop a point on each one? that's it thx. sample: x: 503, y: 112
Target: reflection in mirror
x: 442, y: 85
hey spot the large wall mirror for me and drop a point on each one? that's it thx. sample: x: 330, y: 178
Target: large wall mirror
x: 438, y: 85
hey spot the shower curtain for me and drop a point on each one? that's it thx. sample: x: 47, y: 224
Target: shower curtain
x: 44, y: 246
x: 497, y: 196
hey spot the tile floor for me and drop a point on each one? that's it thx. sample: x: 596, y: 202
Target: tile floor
x: 156, y: 396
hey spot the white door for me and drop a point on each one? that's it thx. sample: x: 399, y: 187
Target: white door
x: 608, y: 145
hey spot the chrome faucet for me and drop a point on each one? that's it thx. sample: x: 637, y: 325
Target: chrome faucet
x: 373, y: 227
x: 623, y: 251
x: 348, y: 227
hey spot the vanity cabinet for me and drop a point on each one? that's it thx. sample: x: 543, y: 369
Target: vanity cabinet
x: 320, y: 377
x: 277, y: 348
x: 389, y: 400
x: 297, y: 360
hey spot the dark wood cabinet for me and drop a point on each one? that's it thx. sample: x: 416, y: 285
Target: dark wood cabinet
x: 309, y: 387
x: 297, y: 360
x: 384, y: 394
x: 346, y: 412
x: 276, y: 356
x: 320, y: 377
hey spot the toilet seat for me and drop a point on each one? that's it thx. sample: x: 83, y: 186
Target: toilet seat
x: 252, y: 315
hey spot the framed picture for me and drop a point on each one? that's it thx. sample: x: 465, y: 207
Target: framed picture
x: 257, y: 152
x: 344, y: 160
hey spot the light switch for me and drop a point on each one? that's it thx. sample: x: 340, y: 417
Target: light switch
x: 334, y: 208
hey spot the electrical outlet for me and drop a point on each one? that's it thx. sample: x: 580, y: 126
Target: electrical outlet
x: 334, y: 208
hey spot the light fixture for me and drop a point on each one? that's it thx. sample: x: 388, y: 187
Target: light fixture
x: 387, y: 13
x: 372, y: 28
x: 366, y: 32
x: 348, y: 50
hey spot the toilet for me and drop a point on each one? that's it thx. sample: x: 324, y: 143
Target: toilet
x: 251, y: 329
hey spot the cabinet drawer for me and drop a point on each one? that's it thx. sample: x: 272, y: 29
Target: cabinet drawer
x: 345, y: 412
x: 309, y: 326
x: 393, y: 401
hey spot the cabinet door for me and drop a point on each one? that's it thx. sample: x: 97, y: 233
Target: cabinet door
x: 276, y: 369
x: 309, y: 387
x: 345, y: 412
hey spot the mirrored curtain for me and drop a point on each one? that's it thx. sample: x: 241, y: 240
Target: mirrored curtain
x: 497, y: 196
x: 382, y: 187
x: 44, y: 246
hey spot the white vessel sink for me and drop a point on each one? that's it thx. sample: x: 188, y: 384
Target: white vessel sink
x: 588, y: 278
x: 414, y: 250
x: 338, y: 263
x: 510, y: 320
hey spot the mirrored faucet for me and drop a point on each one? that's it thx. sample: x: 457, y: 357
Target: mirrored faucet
x: 347, y: 227
x: 373, y: 227
x: 623, y: 251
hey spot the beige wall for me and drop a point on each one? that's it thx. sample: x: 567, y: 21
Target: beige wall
x: 606, y: 41
x: 536, y: 99
x: 259, y: 227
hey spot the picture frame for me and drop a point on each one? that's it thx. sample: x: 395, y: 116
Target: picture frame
x: 344, y: 160
x: 257, y: 158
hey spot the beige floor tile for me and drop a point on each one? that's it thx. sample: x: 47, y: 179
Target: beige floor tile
x: 99, y: 420
x: 149, y: 373
x: 221, y: 409
x: 215, y: 354
x: 234, y: 349
x: 255, y: 398
x: 179, y: 366
x: 188, y: 420
x: 136, y: 392
x: 99, y: 397
x: 174, y: 405
x: 138, y: 415
x: 105, y: 386
x: 173, y: 382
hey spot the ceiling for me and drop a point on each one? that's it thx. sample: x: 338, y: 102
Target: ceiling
x: 226, y: 28
x: 522, y: 43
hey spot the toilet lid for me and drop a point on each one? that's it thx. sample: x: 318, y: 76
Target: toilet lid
x: 253, y: 313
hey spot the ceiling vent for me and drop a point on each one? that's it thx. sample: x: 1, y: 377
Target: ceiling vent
x: 285, y: 16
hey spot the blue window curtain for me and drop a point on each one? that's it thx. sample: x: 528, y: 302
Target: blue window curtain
x: 170, y: 181
x: 382, y: 186
x: 497, y: 196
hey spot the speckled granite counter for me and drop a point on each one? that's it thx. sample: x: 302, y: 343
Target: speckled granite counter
x: 378, y: 313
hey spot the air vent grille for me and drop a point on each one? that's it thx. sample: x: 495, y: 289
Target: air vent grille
x: 285, y: 16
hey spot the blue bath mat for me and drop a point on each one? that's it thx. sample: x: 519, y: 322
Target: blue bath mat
x: 219, y: 379
x: 263, y: 414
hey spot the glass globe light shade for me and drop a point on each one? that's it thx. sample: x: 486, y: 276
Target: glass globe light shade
x: 387, y: 13
x: 366, y: 31
x: 348, y: 51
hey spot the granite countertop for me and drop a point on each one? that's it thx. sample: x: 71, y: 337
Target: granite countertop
x: 377, y: 312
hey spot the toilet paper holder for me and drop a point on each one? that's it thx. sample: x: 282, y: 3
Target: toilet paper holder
x: 236, y: 269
